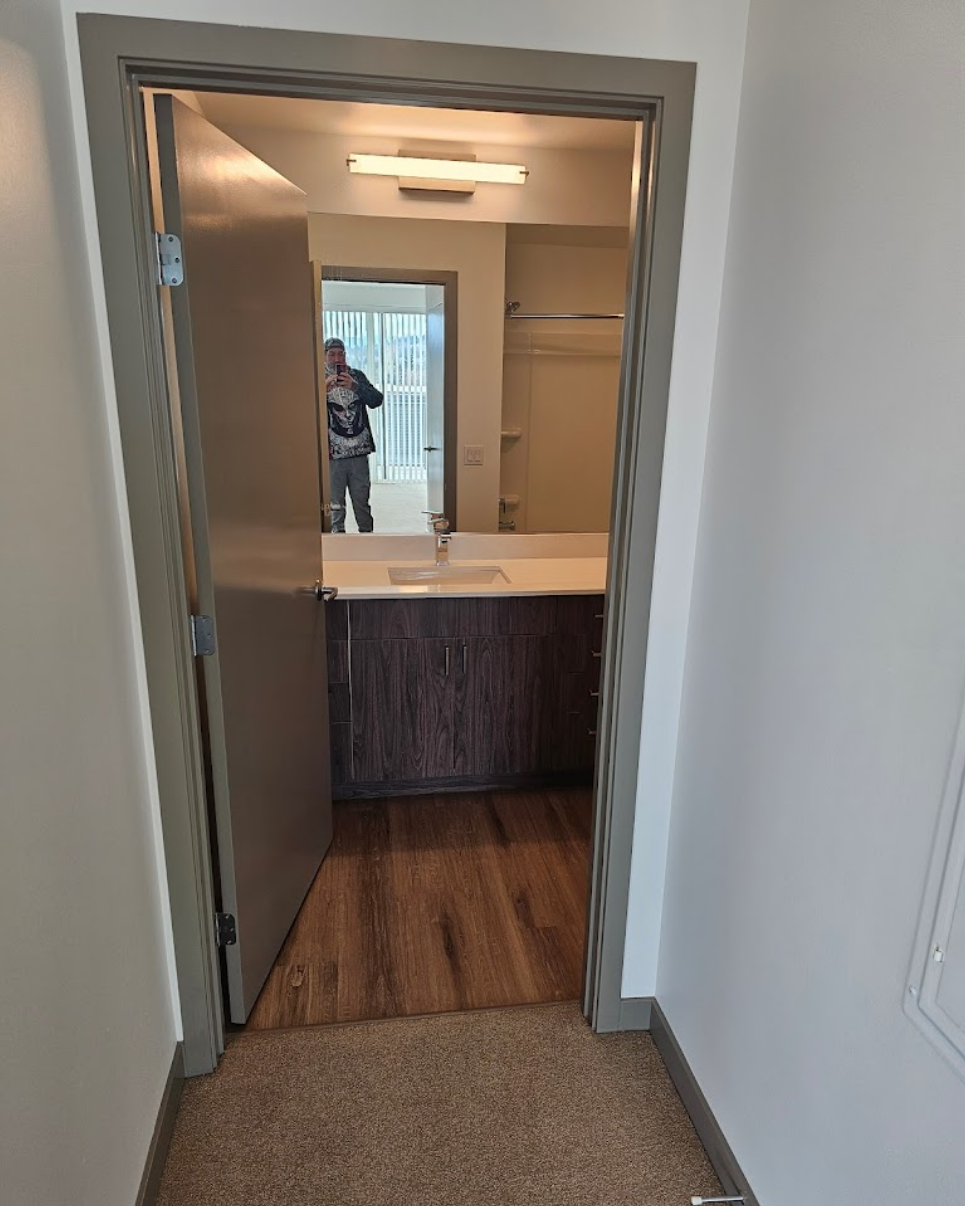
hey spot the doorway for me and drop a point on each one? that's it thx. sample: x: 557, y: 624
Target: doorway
x: 166, y: 54
x: 438, y: 904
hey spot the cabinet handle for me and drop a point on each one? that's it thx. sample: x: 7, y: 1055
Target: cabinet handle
x: 465, y: 654
x: 591, y: 732
x: 448, y: 653
x: 598, y: 617
x: 597, y: 652
x: 594, y: 695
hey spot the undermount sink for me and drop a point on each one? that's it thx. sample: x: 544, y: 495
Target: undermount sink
x: 455, y: 574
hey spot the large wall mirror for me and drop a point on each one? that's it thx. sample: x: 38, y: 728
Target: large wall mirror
x: 469, y: 336
x: 396, y: 329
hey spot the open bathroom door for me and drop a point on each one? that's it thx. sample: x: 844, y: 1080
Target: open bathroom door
x: 245, y: 369
x: 318, y: 333
x: 436, y: 434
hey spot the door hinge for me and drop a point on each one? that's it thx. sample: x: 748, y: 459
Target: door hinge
x: 225, y: 928
x: 938, y: 955
x: 202, y: 636
x: 170, y: 266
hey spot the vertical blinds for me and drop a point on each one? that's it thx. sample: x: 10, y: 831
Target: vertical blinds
x: 390, y: 348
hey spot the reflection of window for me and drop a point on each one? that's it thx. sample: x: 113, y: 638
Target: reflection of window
x: 390, y: 348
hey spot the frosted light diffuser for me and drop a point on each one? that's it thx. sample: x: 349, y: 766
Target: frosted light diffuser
x: 413, y: 168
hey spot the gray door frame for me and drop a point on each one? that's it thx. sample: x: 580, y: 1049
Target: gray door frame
x: 450, y: 282
x: 119, y: 55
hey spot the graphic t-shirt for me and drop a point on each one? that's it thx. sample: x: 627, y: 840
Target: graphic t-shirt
x: 349, y: 430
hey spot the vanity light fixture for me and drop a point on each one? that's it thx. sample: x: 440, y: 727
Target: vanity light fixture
x: 425, y: 172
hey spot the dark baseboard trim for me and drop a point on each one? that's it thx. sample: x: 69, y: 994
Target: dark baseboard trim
x: 705, y: 1124
x: 423, y: 787
x: 635, y: 1013
x: 157, y: 1152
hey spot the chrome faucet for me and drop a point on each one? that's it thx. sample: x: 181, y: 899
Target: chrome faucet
x: 438, y: 525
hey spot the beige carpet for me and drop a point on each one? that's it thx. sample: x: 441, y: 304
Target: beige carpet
x: 518, y: 1107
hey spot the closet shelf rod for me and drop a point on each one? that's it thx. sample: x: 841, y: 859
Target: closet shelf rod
x: 517, y: 315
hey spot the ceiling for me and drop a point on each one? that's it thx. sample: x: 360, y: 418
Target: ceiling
x: 413, y: 123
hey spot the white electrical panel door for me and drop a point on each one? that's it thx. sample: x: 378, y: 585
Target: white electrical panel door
x: 943, y: 987
x: 936, y: 990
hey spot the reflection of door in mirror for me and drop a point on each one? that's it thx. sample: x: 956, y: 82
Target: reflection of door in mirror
x: 435, y: 446
x: 392, y: 328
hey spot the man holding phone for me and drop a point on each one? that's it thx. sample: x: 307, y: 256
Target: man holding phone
x: 349, y: 395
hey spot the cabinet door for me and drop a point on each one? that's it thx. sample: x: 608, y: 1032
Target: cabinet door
x: 442, y: 660
x: 340, y: 713
x: 388, y: 710
x: 497, y: 699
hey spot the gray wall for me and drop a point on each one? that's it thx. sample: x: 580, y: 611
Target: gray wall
x: 826, y: 657
x: 87, y: 1031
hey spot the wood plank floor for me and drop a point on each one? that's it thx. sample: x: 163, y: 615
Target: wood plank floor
x: 428, y: 904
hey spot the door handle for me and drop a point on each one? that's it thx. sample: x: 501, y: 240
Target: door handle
x: 430, y: 448
x: 324, y: 594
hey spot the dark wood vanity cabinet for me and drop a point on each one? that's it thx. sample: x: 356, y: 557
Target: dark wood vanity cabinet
x: 429, y: 693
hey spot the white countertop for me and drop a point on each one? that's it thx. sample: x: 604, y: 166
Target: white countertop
x: 523, y: 576
x: 555, y: 564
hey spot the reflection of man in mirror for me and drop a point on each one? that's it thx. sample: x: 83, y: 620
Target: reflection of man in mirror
x: 349, y: 394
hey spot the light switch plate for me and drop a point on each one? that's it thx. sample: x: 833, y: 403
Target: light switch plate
x: 472, y: 454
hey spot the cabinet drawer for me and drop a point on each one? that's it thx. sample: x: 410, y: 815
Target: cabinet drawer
x: 392, y: 619
x: 336, y: 620
x: 580, y: 614
x: 568, y: 738
x: 381, y: 619
x: 339, y: 701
